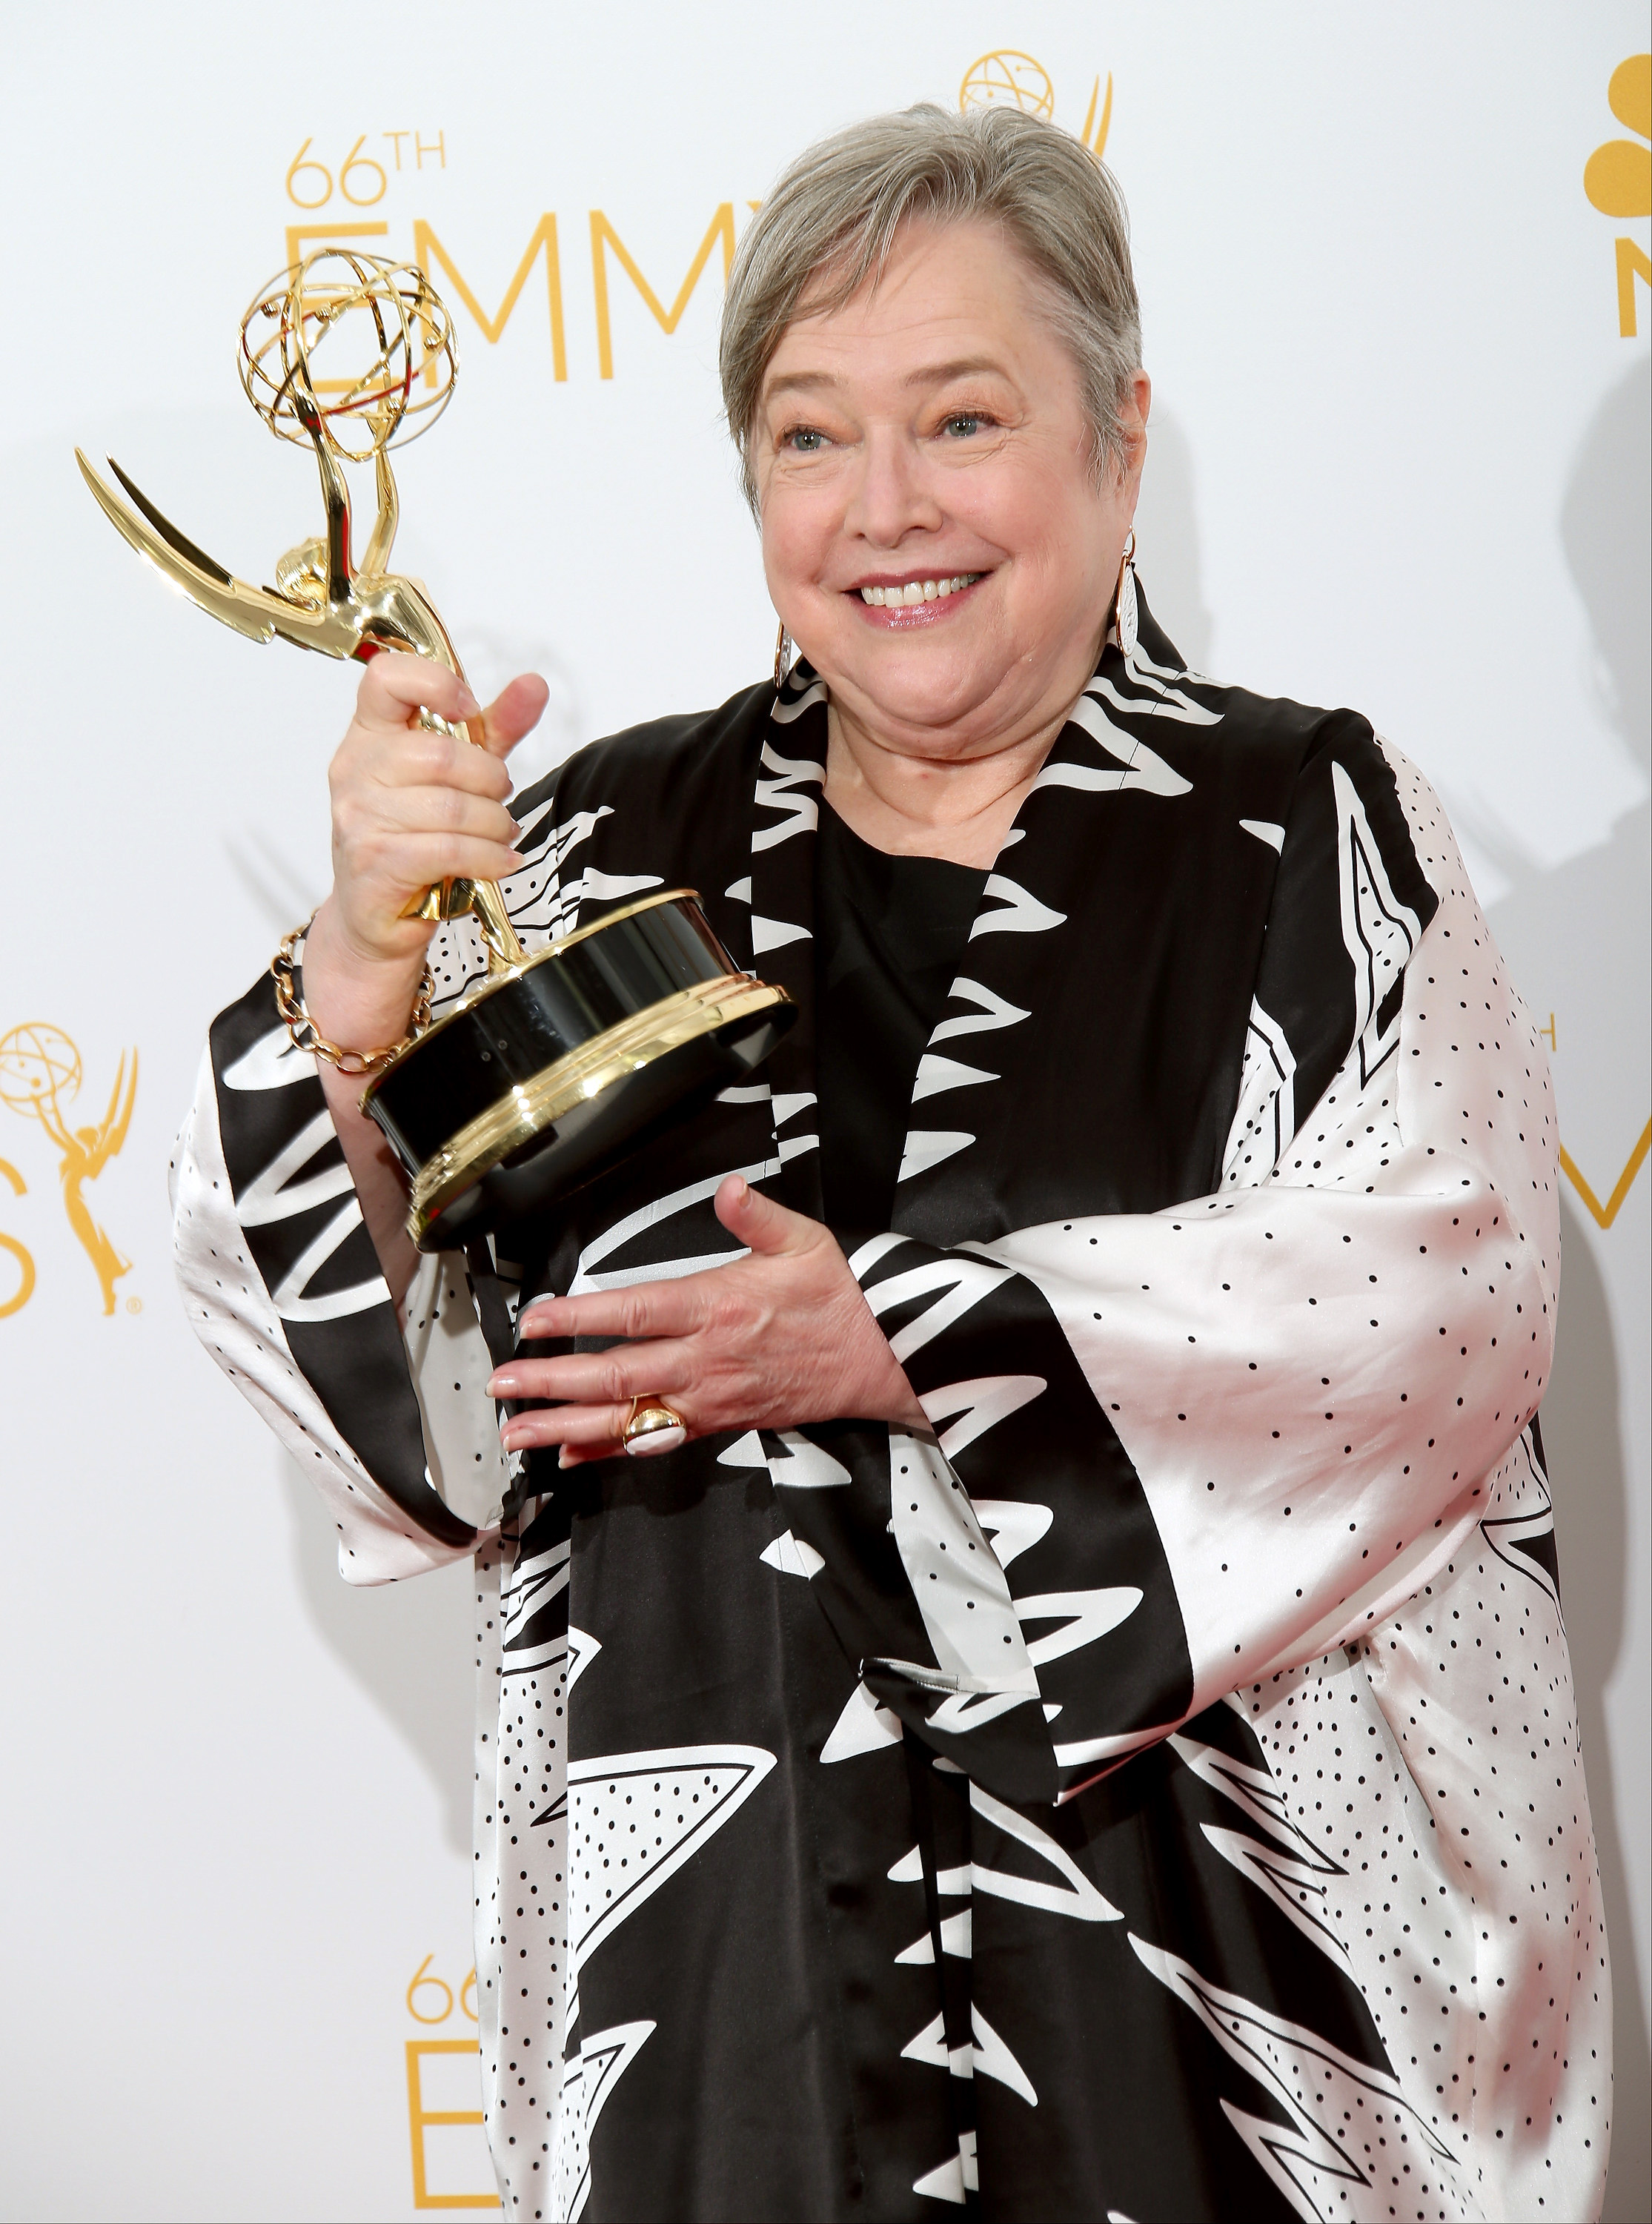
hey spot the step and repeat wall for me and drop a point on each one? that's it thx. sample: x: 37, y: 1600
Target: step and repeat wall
x: 1395, y: 269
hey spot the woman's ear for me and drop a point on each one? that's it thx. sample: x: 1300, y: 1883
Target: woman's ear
x: 1132, y: 422
x: 1132, y: 441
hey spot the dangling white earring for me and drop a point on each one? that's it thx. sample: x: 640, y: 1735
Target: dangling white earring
x: 782, y: 657
x: 1124, y: 605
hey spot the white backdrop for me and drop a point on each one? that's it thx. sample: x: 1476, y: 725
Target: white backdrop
x: 1399, y: 460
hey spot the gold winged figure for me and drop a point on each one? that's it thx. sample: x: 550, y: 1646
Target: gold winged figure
x: 321, y: 599
x: 39, y: 1075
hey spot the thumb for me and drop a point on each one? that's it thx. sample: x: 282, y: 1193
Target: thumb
x: 757, y: 1222
x: 515, y: 711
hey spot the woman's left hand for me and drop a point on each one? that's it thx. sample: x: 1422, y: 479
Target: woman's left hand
x: 779, y: 1337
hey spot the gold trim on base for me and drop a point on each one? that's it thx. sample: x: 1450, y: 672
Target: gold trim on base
x: 530, y: 1107
x: 496, y: 981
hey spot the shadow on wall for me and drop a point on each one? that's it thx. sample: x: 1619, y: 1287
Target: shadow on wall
x: 1555, y: 926
x: 1558, y: 924
x: 1167, y: 542
x: 1603, y: 526
x: 410, y: 1645
x: 1581, y: 1436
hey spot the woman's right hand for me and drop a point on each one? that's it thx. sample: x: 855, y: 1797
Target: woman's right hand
x: 410, y: 807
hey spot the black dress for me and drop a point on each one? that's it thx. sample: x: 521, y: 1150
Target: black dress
x: 888, y: 933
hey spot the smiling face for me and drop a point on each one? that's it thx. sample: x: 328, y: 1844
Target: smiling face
x: 933, y: 535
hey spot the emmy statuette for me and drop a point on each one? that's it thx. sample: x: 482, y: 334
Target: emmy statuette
x: 560, y: 1062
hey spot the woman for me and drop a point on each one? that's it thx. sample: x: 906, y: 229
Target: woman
x: 1082, y: 1724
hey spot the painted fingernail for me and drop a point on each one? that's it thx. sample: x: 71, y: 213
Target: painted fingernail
x: 469, y: 706
x: 514, y: 860
x: 742, y: 1189
x: 504, y: 1385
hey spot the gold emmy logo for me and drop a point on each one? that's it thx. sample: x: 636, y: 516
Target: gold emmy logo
x: 362, y: 180
x: 1008, y: 78
x: 332, y: 188
x: 443, y: 2069
x: 23, y: 1258
x: 1618, y: 176
x: 1604, y: 1215
x: 40, y: 1073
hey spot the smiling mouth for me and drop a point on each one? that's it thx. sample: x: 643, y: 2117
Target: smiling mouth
x: 914, y: 592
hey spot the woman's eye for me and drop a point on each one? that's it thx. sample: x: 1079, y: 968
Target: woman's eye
x: 803, y: 440
x: 963, y: 424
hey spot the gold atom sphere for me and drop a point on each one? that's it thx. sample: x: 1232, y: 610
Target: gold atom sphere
x: 354, y: 346
x: 38, y: 1065
x: 1008, y: 78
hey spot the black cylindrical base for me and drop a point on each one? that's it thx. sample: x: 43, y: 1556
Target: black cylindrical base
x: 549, y: 1073
x: 624, y: 1117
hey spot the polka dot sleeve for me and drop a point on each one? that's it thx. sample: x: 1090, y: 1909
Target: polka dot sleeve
x: 1316, y: 1371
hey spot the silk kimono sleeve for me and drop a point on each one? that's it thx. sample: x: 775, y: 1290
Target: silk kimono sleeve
x: 385, y: 1408
x: 1315, y: 1371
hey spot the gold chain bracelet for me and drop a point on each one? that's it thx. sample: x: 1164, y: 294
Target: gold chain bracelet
x: 306, y: 1036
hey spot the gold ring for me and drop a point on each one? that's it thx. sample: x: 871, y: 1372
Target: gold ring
x: 653, y: 1426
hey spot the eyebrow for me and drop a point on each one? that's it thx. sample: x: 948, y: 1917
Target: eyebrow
x: 933, y: 374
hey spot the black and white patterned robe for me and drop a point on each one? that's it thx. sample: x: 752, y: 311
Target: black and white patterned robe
x: 1156, y: 1794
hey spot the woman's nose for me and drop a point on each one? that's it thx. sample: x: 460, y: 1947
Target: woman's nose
x: 891, y: 497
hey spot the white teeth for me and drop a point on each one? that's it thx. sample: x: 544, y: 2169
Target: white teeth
x: 916, y: 590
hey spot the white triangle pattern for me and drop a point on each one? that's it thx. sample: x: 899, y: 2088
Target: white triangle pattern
x: 1085, y: 1615
x: 1012, y: 1524
x: 863, y: 1726
x: 273, y: 1062
x: 936, y: 1075
x: 1022, y: 913
x: 955, y: 2177
x: 586, y: 2081
x: 927, y: 1146
x: 1073, y: 1895
x: 956, y: 1937
x: 1335, y: 2109
x: 791, y: 1555
x: 988, y: 2057
x: 774, y: 934
x: 633, y: 1819
x: 978, y: 1407
x: 802, y: 1465
x: 993, y: 1011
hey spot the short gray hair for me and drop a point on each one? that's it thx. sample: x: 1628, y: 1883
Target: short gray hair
x: 831, y: 224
